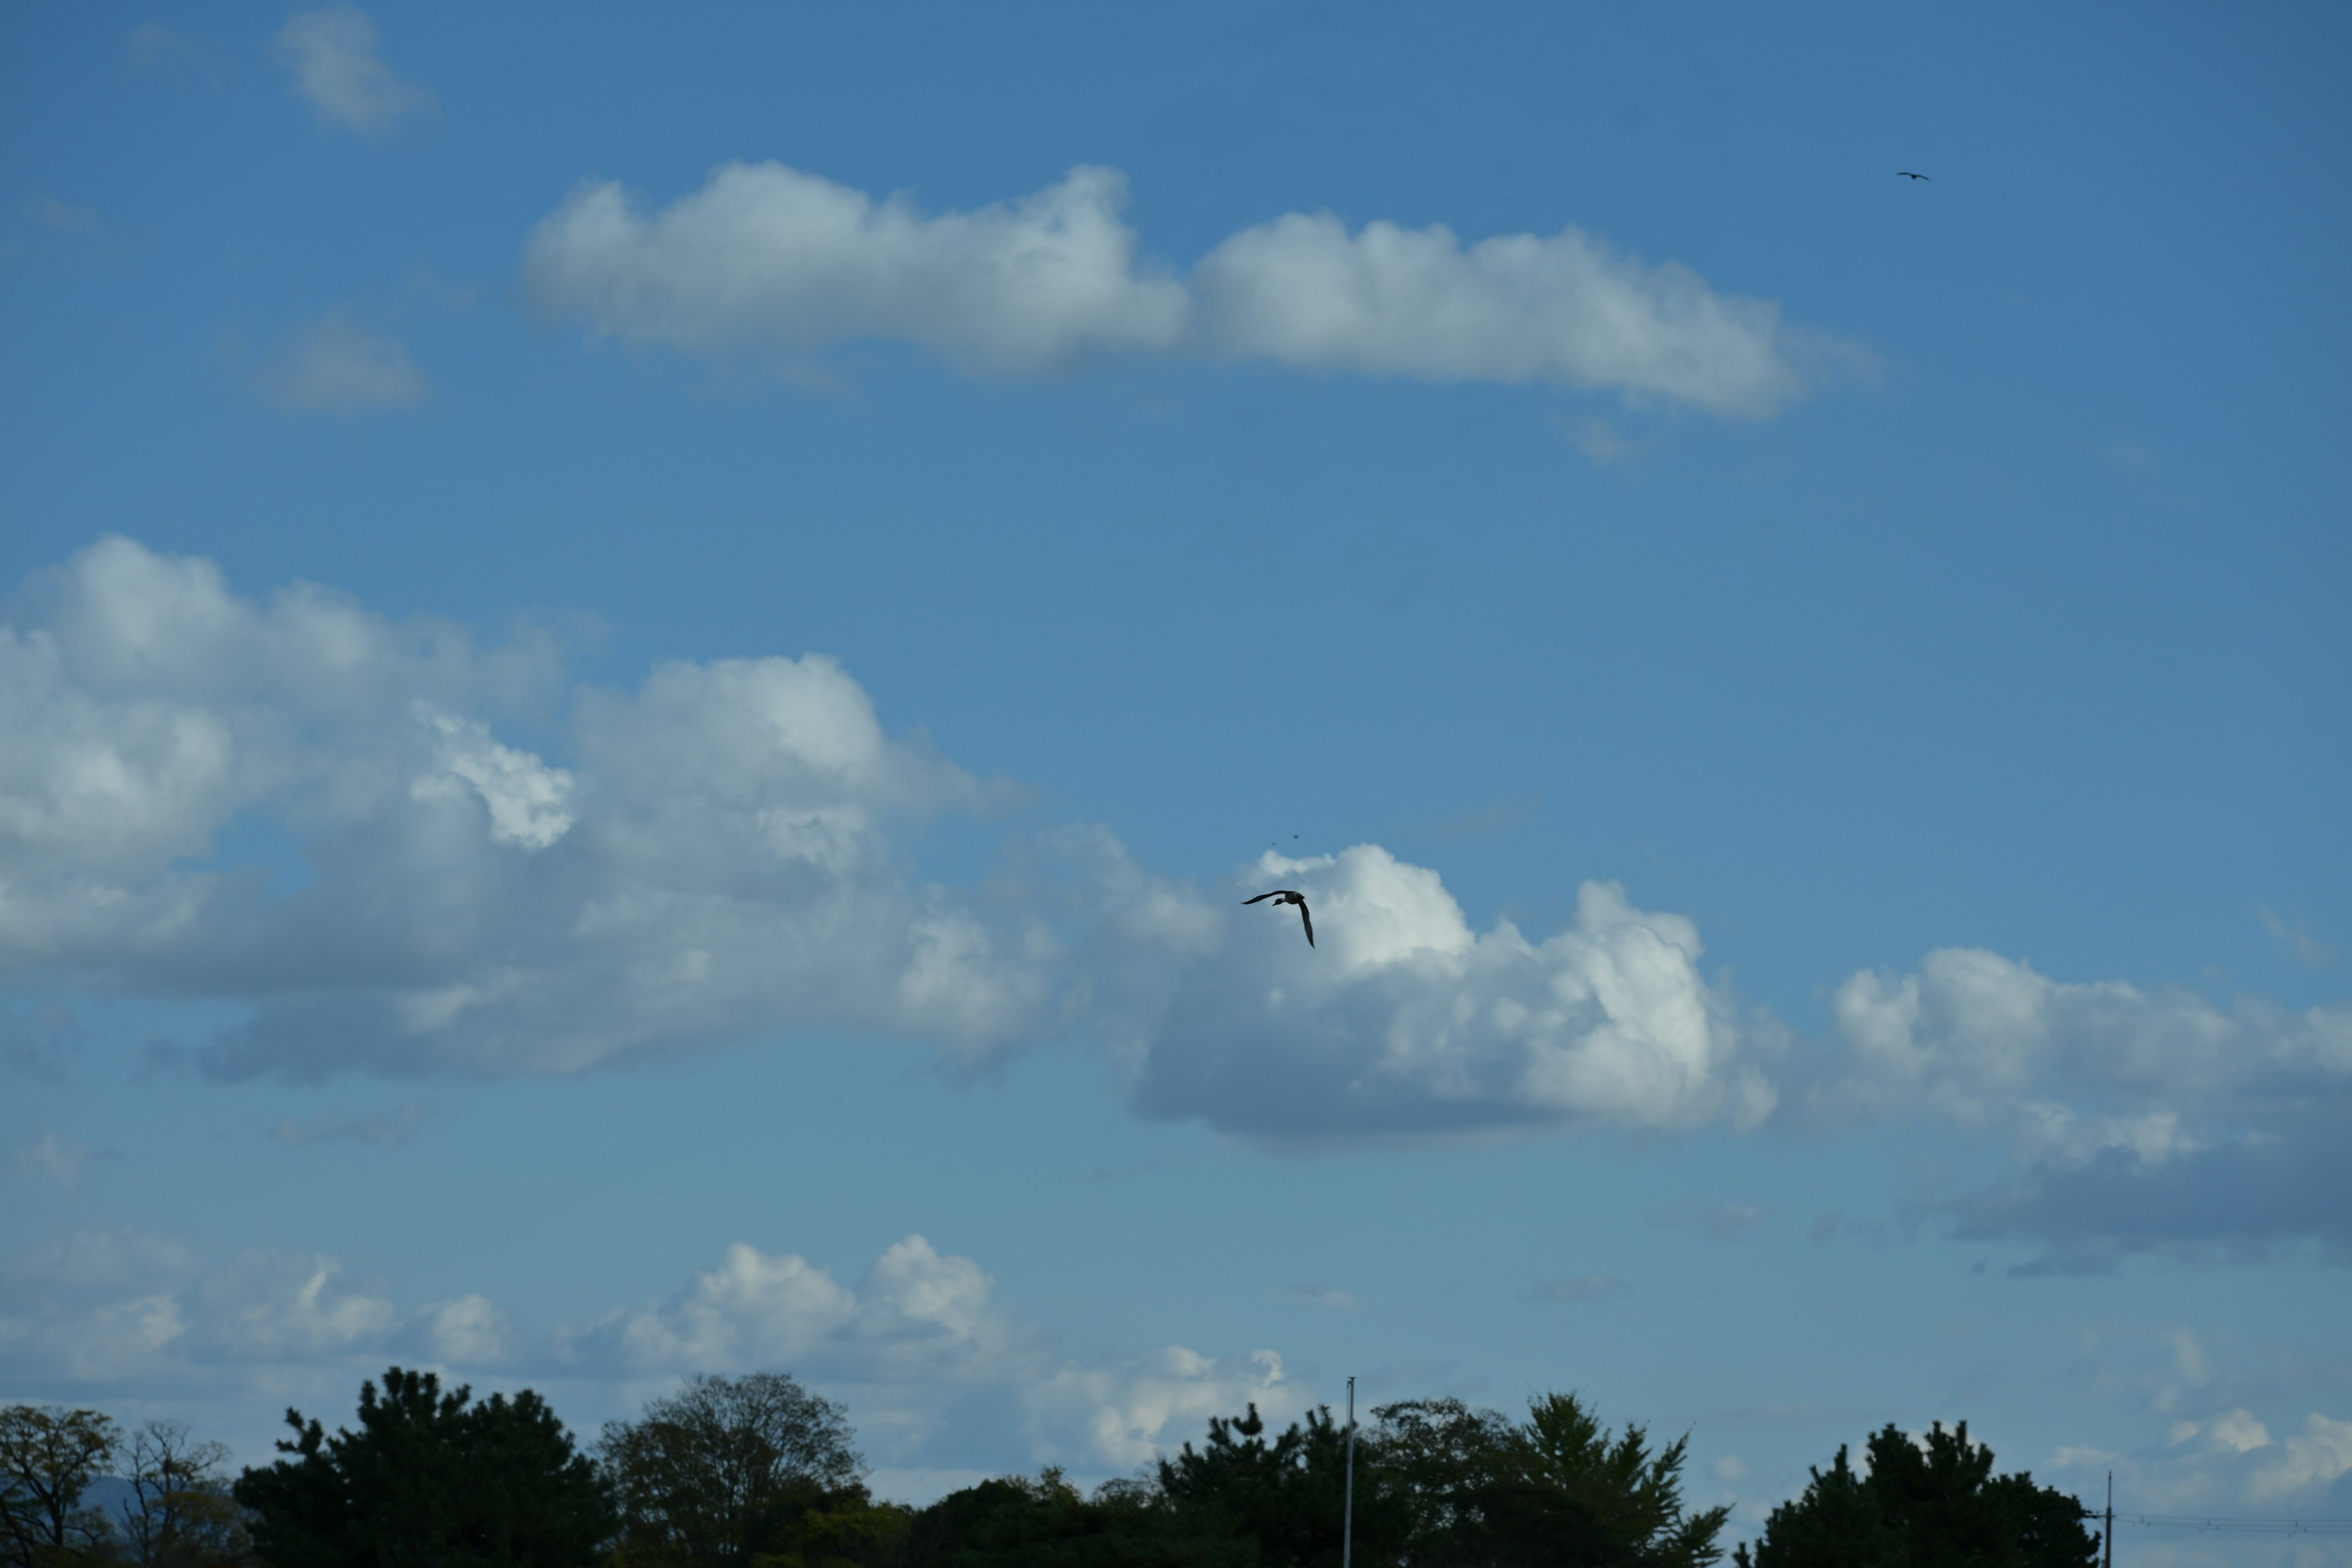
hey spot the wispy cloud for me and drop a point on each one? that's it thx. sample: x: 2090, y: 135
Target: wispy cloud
x: 1599, y: 440
x: 60, y: 216
x: 383, y: 1129
x: 60, y: 1159
x: 337, y: 367
x: 332, y: 53
x: 768, y: 256
x: 1321, y: 1296
x: 1717, y: 1221
x: 2307, y: 948
x: 154, y: 48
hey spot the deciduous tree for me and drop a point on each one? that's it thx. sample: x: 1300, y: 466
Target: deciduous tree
x: 179, y: 1513
x: 722, y: 1472
x: 48, y: 1457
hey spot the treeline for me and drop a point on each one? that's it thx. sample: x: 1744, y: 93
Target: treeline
x: 758, y: 1472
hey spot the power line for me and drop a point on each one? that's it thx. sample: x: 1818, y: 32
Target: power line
x: 2216, y: 1525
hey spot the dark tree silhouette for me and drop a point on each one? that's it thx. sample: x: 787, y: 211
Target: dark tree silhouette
x: 1288, y: 1494
x: 1557, y: 1491
x: 1014, y: 1522
x: 727, y: 1470
x: 430, y: 1478
x: 1934, y: 1504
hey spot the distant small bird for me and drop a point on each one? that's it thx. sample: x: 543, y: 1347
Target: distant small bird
x: 1285, y: 896
x: 1907, y: 175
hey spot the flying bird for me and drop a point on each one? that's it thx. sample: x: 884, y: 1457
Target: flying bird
x: 1285, y: 896
x: 1907, y: 175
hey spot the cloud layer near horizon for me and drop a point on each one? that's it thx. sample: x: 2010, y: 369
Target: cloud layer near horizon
x: 105, y: 1311
x: 510, y: 871
x: 766, y: 256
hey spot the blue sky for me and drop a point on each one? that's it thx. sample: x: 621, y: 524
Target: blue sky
x: 644, y: 660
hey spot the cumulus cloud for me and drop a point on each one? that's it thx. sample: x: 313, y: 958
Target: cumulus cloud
x: 938, y: 1374
x: 917, y: 1343
x: 736, y: 875
x: 127, y: 1308
x: 2225, y: 1461
x: 771, y: 254
x: 337, y: 367
x: 332, y: 53
x: 2138, y: 1119
x: 1405, y: 1021
x: 512, y: 871
x: 1384, y: 301
x: 765, y: 255
x: 717, y: 858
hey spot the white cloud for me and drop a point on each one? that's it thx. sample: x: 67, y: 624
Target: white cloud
x: 768, y: 255
x: 126, y: 1307
x: 2136, y: 1119
x: 2317, y: 1454
x: 471, y: 1330
x: 1118, y: 1417
x: 1384, y: 301
x: 938, y: 1375
x: 720, y: 858
x: 722, y: 853
x: 525, y: 796
x: 1981, y: 1038
x: 920, y: 1335
x: 2224, y: 1462
x: 337, y: 367
x: 332, y: 53
x: 1405, y: 1022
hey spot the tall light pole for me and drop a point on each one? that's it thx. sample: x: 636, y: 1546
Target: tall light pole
x: 1347, y: 1520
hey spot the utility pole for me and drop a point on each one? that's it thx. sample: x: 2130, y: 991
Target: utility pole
x: 2111, y: 1520
x: 1347, y: 1520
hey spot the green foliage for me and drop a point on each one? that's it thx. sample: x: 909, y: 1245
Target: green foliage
x: 1287, y: 1494
x: 730, y: 1470
x: 48, y: 1458
x: 430, y: 1478
x: 1015, y: 1522
x: 1936, y: 1505
x: 1557, y: 1491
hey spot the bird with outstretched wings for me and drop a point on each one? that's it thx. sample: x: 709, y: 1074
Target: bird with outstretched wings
x: 1282, y: 896
x: 1907, y: 175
